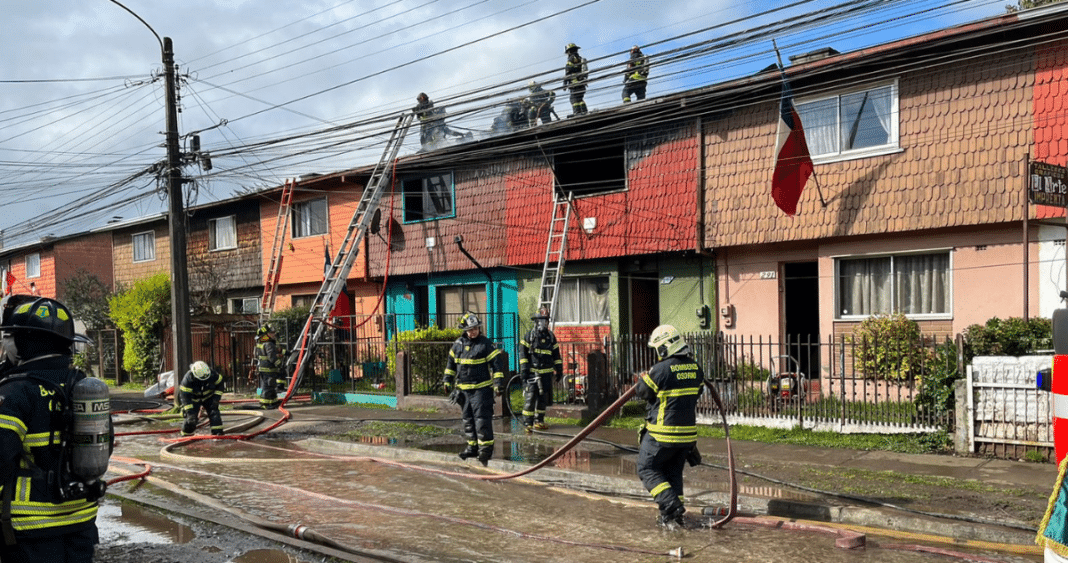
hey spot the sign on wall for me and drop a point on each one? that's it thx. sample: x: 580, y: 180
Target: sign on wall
x: 1049, y: 184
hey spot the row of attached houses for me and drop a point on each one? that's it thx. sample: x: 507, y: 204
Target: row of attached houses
x: 918, y: 204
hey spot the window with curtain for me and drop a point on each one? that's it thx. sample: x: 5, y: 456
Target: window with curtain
x: 33, y: 265
x: 222, y: 233
x: 851, y: 124
x: 428, y: 198
x: 456, y: 300
x: 913, y: 284
x: 309, y: 218
x: 583, y: 300
x: 144, y: 247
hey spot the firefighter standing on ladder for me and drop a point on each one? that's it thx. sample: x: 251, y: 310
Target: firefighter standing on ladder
x: 539, y: 360
x: 269, y: 366
x: 473, y: 365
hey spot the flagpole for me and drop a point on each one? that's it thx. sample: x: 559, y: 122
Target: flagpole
x: 782, y: 72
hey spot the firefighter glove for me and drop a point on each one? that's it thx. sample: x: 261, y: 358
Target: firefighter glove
x: 694, y: 457
x: 497, y: 389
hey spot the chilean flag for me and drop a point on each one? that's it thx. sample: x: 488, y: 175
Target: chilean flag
x: 793, y: 165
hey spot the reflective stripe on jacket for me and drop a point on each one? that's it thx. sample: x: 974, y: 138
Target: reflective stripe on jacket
x: 539, y: 353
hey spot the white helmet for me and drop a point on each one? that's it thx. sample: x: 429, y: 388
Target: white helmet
x: 667, y: 341
x: 200, y: 370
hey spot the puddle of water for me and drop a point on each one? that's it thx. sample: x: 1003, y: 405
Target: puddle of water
x: 123, y: 522
x: 268, y: 556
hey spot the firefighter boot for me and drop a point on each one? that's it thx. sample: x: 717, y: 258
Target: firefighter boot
x: 484, y: 455
x: 671, y: 520
x: 469, y: 451
x: 540, y: 425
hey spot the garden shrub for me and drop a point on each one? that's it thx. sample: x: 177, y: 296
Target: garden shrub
x: 888, y: 347
x: 939, y: 373
x: 141, y: 312
x: 428, y: 353
x: 1010, y: 337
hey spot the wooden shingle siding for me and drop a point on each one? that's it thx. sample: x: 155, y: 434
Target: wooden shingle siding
x: 965, y: 129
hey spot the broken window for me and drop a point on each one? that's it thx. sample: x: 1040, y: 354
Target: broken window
x: 428, y: 198
x: 591, y: 169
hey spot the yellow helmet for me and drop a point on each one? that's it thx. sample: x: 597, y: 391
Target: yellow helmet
x: 667, y: 341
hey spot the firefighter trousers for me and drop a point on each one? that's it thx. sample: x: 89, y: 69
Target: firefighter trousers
x: 478, y: 420
x: 660, y: 469
x: 535, y: 402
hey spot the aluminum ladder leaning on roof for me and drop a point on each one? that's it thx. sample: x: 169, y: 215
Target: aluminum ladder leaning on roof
x: 281, y: 227
x: 555, y: 254
x: 338, y: 272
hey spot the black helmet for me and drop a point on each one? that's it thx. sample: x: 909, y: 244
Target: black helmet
x: 543, y: 313
x: 39, y: 315
x: 265, y: 330
x: 571, y: 47
x: 469, y: 321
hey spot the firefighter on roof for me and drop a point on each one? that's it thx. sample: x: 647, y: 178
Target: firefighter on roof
x: 540, y: 103
x: 539, y: 361
x: 669, y: 436
x: 636, y: 75
x: 269, y: 365
x: 473, y: 365
x: 49, y: 481
x: 432, y: 121
x: 201, y: 387
x: 576, y: 74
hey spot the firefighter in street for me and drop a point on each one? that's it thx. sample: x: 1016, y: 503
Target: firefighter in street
x: 669, y: 436
x: 201, y: 387
x: 473, y: 366
x: 269, y: 363
x: 636, y: 75
x: 540, y: 103
x: 576, y: 74
x: 50, y: 478
x: 432, y: 122
x: 539, y: 361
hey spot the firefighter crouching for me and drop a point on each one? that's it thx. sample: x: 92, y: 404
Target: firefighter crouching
x: 201, y: 387
x: 539, y: 360
x: 473, y: 365
x: 269, y: 366
x: 669, y: 436
x: 55, y: 438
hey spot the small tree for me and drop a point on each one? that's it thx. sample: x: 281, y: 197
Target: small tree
x: 87, y: 298
x: 428, y: 357
x: 140, y: 313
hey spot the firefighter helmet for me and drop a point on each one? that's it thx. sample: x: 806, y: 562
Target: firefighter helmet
x: 571, y: 47
x: 543, y: 313
x: 422, y: 98
x: 200, y: 370
x: 40, y: 315
x: 667, y: 341
x: 469, y: 321
x: 265, y: 330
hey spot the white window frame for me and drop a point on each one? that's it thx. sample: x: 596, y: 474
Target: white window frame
x: 573, y: 285
x: 149, y: 236
x: 33, y: 265
x: 246, y: 302
x: 302, y: 209
x: 214, y: 226
x: 893, y: 135
x: 948, y: 314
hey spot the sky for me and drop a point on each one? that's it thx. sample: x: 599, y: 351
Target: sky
x: 280, y: 90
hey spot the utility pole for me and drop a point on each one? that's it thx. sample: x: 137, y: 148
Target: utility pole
x: 183, y: 349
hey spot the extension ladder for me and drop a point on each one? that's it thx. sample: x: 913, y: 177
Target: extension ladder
x: 274, y: 270
x: 338, y: 271
x: 555, y: 253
